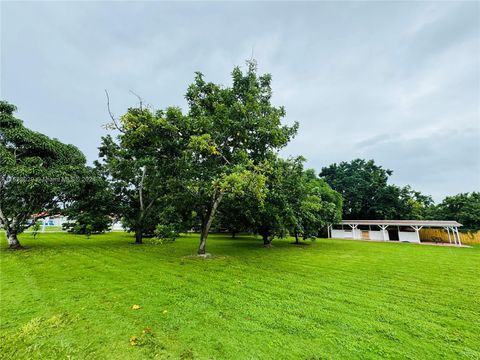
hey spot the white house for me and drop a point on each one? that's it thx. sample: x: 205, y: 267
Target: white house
x: 391, y: 230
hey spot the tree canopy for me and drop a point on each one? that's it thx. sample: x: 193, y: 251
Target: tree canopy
x: 296, y: 202
x: 144, y: 164
x: 234, y: 132
x: 37, y: 174
x: 93, y: 207
x: 367, y: 194
x: 463, y: 207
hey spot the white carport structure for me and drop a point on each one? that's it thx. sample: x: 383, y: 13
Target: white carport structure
x: 391, y: 230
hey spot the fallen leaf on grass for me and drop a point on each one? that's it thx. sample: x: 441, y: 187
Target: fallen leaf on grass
x: 134, y: 341
x: 135, y: 307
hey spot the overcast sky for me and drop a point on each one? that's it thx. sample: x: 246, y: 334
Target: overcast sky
x: 398, y: 82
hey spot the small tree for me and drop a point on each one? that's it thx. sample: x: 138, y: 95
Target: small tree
x: 36, y: 174
x: 93, y: 207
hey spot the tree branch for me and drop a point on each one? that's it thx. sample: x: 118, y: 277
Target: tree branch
x: 114, y: 121
x: 140, y: 189
x: 3, y: 219
x: 140, y: 100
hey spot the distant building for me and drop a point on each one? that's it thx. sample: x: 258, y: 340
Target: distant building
x: 391, y: 230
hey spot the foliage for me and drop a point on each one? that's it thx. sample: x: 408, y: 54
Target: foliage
x: 296, y: 201
x: 411, y: 204
x: 144, y: 165
x: 37, y: 174
x: 248, y: 303
x: 320, y: 205
x: 233, y: 132
x: 367, y: 194
x: 167, y: 233
x: 93, y: 207
x: 36, y: 228
x: 463, y: 207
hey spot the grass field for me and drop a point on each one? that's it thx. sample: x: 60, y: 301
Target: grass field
x: 70, y: 297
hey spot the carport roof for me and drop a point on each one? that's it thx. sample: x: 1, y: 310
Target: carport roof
x: 426, y: 223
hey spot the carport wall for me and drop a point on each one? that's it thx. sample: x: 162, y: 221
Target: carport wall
x: 365, y: 232
x: 347, y: 233
x: 407, y: 230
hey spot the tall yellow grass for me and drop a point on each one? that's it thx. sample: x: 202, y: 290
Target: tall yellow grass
x: 465, y: 238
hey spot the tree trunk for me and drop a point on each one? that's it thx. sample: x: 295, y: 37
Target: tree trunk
x: 138, y: 236
x: 206, y: 225
x: 233, y: 234
x: 12, y: 239
x: 203, y: 239
x: 266, y: 241
x: 296, y: 237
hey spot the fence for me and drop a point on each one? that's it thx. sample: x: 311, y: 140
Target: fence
x: 442, y: 236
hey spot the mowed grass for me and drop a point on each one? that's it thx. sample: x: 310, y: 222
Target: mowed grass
x: 71, y: 297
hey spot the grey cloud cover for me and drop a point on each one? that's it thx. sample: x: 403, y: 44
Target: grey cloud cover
x: 398, y: 82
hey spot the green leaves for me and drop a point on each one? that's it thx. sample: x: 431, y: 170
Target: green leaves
x: 203, y: 144
x: 37, y: 173
x: 293, y: 200
x: 242, y: 181
x: 463, y: 207
x: 367, y: 194
x: 232, y: 132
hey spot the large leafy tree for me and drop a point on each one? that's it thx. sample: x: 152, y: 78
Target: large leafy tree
x: 234, y: 132
x: 37, y: 174
x: 144, y: 164
x: 411, y: 204
x: 367, y: 194
x: 463, y: 207
x: 363, y: 186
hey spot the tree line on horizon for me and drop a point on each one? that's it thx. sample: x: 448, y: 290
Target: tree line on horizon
x: 214, y: 167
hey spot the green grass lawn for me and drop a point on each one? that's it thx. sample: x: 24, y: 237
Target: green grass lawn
x: 71, y: 297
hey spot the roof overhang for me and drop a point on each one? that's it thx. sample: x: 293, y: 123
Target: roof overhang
x: 426, y: 223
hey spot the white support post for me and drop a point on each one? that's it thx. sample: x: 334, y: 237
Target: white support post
x: 417, y: 230
x: 383, y: 227
x: 458, y: 236
x: 354, y: 227
x: 329, y: 231
x: 454, y: 235
x: 448, y: 232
